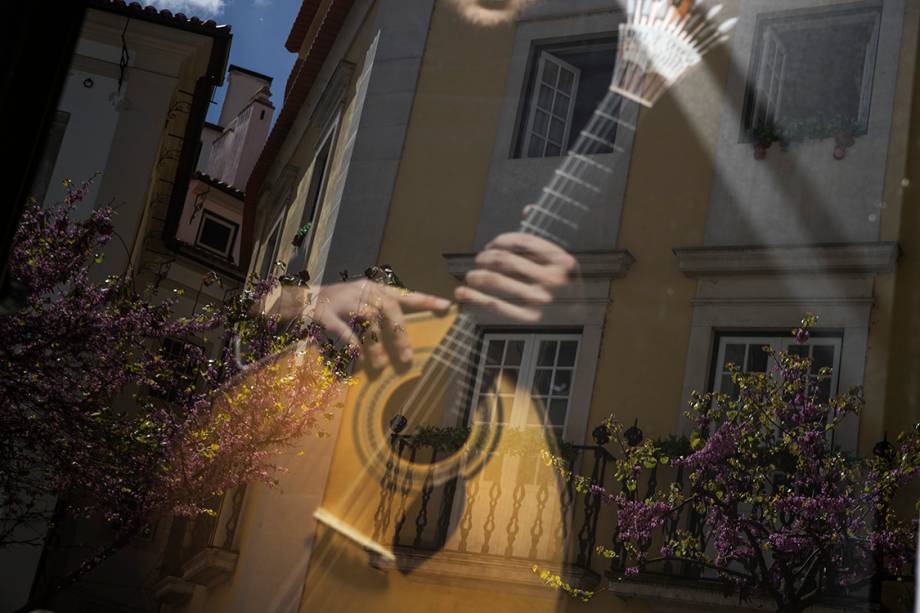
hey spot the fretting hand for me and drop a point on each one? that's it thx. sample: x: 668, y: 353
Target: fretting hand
x: 517, y: 275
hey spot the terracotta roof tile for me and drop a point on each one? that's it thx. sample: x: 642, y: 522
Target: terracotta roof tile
x: 301, y: 25
x: 164, y: 16
x: 298, y: 86
x: 221, y: 185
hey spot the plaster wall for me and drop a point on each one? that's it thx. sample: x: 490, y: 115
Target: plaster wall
x: 234, y: 153
x: 802, y: 195
x: 241, y: 87
x: 216, y: 201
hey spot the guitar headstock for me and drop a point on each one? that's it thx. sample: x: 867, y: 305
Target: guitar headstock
x: 660, y: 40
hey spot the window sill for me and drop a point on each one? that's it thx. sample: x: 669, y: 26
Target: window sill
x: 664, y: 595
x: 482, y: 571
x: 173, y: 590
x: 210, y: 567
x: 783, y: 260
x: 592, y: 264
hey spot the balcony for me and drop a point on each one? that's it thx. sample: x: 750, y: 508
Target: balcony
x: 491, y: 530
x: 199, y: 551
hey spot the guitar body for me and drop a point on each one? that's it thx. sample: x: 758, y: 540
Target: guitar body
x: 398, y: 522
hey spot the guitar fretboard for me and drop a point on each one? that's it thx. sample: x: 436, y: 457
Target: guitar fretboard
x: 577, y: 183
x: 570, y: 195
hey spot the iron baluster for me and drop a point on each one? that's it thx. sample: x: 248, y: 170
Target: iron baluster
x: 421, y: 520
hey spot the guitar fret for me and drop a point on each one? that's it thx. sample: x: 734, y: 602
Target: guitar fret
x: 550, y: 214
x: 553, y: 193
x: 576, y: 180
x: 587, y: 160
x: 453, y: 358
x: 615, y: 120
x: 534, y: 229
x: 602, y: 141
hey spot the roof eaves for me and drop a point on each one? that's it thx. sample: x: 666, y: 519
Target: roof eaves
x: 164, y: 17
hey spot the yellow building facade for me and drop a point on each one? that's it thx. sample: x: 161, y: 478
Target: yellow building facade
x: 411, y: 136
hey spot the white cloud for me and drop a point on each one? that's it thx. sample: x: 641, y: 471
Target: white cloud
x: 261, y: 3
x: 198, y: 8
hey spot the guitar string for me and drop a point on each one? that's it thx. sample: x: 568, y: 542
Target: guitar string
x: 465, y: 320
x: 609, y: 107
x: 467, y: 353
x: 701, y: 47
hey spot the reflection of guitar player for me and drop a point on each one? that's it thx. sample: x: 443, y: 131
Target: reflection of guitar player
x: 515, y: 275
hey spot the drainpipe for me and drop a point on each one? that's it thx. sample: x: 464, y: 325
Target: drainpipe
x: 201, y: 99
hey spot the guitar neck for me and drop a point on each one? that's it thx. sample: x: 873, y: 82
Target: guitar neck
x: 576, y: 184
x: 565, y: 201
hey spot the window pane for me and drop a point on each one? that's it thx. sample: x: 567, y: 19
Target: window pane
x: 734, y: 354
x: 557, y: 410
x: 727, y: 387
x: 757, y: 359
x: 561, y: 106
x: 552, y: 150
x: 537, y: 416
x: 494, y: 352
x: 547, y: 354
x: 541, y: 381
x: 562, y: 382
x: 545, y: 101
x: 550, y: 72
x: 511, y: 376
x: 567, y: 351
x: 536, y: 147
x: 540, y: 122
x: 556, y: 130
x: 514, y: 353
x: 822, y: 357
x: 215, y: 235
x: 566, y: 80
x: 799, y: 350
x: 824, y: 389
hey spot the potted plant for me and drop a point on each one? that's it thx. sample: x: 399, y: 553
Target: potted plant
x: 844, y: 136
x: 764, y: 135
x: 301, y: 234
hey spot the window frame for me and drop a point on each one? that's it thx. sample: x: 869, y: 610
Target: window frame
x: 207, y: 214
x: 527, y: 372
x: 779, y: 341
x: 802, y: 19
x: 268, y: 259
x: 328, y: 139
x: 525, y: 112
x: 543, y: 60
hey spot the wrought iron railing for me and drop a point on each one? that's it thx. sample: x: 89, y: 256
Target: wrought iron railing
x: 190, y: 536
x: 491, y: 514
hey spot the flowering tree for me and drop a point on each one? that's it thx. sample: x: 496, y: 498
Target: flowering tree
x: 98, y: 415
x: 776, y: 510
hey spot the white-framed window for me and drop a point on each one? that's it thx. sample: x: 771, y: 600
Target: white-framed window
x: 316, y: 193
x: 551, y: 107
x: 747, y: 352
x: 566, y: 80
x: 216, y: 233
x: 270, y: 254
x: 770, y: 80
x: 536, y: 371
x: 812, y: 70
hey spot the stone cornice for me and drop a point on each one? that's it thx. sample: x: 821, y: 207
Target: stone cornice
x: 785, y: 260
x: 593, y: 264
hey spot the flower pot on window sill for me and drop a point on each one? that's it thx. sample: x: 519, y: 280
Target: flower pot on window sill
x: 843, y: 141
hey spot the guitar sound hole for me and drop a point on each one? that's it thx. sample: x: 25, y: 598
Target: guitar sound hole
x: 422, y: 405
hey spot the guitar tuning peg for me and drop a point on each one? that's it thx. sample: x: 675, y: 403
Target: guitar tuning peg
x: 398, y: 424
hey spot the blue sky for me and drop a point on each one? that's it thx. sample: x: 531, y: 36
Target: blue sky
x: 259, y: 27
